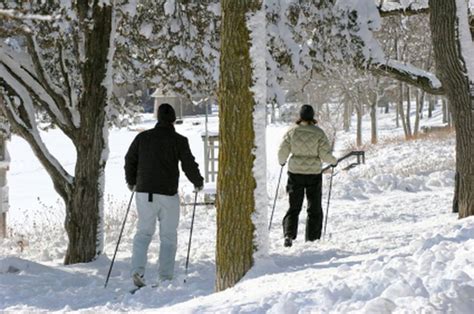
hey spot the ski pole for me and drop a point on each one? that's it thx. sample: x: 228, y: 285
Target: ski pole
x: 274, y: 201
x: 120, y: 237
x: 329, y: 198
x: 190, y: 234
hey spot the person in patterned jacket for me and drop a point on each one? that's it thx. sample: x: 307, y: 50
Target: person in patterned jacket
x: 308, y: 146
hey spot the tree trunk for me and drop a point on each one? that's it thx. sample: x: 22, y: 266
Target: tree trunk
x: 451, y: 68
x: 408, y: 116
x: 431, y: 104
x: 84, y: 212
x: 450, y: 114
x: 422, y: 104
x: 272, y: 116
x: 401, y: 111
x: 4, y: 166
x: 373, y: 119
x: 445, y: 111
x: 236, y: 182
x: 456, y: 193
x: 420, y: 98
x: 347, y: 116
x: 359, y: 112
x: 84, y: 206
x: 3, y: 185
x: 397, y: 115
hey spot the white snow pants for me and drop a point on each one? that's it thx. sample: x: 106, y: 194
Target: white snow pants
x: 165, y: 209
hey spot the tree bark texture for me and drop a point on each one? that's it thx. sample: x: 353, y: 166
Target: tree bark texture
x: 451, y: 68
x: 236, y: 182
x: 83, y: 216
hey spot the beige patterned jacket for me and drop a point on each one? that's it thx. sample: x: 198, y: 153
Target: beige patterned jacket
x: 308, y: 146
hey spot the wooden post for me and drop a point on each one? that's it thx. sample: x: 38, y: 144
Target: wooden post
x: 211, y: 152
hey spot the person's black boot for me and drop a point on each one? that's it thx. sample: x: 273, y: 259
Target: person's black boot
x: 288, y: 242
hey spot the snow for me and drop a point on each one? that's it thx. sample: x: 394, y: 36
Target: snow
x: 415, y: 72
x: 130, y: 8
x: 19, y: 15
x: 22, y: 74
x: 169, y: 7
x: 467, y: 45
x: 30, y: 118
x: 256, y: 26
x: 368, y: 20
x: 146, y: 29
x: 403, y: 5
x: 392, y: 244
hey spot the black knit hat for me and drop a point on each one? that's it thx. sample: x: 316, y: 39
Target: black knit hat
x: 166, y: 113
x: 307, y: 113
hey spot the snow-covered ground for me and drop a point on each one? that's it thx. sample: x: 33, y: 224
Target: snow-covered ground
x: 392, y: 243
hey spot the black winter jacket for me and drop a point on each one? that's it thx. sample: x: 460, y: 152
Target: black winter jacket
x: 151, y: 163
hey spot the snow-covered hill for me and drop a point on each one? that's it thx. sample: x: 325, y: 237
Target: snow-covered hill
x: 392, y: 243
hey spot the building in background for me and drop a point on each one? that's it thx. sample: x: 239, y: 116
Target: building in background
x: 183, y: 106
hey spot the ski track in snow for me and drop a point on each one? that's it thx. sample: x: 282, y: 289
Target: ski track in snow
x: 392, y: 243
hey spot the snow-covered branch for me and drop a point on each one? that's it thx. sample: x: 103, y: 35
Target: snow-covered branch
x: 414, y: 8
x: 21, y: 70
x: 14, y: 14
x: 466, y: 40
x: 18, y: 108
x: 63, y: 103
x: 409, y: 74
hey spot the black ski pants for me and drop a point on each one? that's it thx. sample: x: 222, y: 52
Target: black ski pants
x: 297, y: 185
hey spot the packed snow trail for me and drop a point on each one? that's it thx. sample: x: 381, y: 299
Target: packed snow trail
x: 392, y: 244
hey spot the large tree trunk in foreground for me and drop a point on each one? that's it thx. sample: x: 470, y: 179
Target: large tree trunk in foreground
x: 236, y: 182
x: 84, y: 206
x: 451, y: 69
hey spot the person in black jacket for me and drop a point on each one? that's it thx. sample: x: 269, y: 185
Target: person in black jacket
x: 151, y: 169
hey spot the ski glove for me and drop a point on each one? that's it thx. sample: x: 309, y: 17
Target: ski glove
x: 335, y: 164
x: 198, y: 188
x: 131, y: 187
